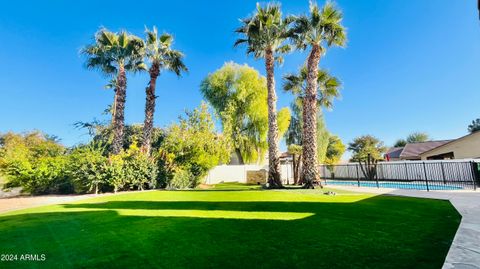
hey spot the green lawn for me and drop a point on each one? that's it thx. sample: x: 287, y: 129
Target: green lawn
x: 233, y: 226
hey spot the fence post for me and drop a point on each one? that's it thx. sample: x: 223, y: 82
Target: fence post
x: 358, y: 175
x: 443, y: 173
x: 474, y: 174
x: 376, y: 176
x: 406, y: 171
x: 426, y: 178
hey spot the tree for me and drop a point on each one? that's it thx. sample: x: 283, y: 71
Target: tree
x: 414, y: 137
x: 264, y: 34
x: 161, y: 57
x: 318, y: 31
x: 191, y: 148
x: 400, y: 143
x: 474, y: 126
x: 238, y: 93
x: 296, y: 151
x: 364, y: 146
x: 417, y: 137
x: 115, y: 54
x: 335, y: 150
x: 327, y: 89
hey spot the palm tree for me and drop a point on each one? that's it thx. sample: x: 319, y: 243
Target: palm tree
x: 327, y: 86
x: 318, y: 31
x: 161, y: 57
x: 115, y: 54
x: 327, y: 89
x: 264, y: 34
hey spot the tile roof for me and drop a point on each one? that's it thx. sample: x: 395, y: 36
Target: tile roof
x: 413, y: 150
x: 394, y: 152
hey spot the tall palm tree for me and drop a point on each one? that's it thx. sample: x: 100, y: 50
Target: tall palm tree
x: 318, y: 31
x: 161, y: 57
x: 327, y: 89
x: 264, y: 34
x: 115, y: 54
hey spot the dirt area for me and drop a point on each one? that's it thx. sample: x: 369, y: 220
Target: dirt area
x: 21, y: 202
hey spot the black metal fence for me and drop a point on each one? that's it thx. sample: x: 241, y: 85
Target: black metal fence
x: 429, y: 175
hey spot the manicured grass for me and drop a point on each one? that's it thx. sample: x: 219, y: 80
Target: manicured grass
x: 233, y: 226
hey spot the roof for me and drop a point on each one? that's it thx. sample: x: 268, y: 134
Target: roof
x: 394, y: 152
x: 454, y: 140
x: 413, y: 150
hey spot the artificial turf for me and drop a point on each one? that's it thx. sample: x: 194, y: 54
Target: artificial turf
x: 233, y: 226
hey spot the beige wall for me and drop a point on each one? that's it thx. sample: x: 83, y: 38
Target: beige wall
x: 462, y: 148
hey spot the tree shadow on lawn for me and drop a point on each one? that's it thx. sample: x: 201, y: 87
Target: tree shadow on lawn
x: 378, y: 232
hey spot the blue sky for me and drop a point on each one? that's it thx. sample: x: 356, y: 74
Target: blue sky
x: 409, y: 65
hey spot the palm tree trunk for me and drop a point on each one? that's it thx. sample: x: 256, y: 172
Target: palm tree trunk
x: 149, y: 109
x: 309, y: 171
x: 273, y: 154
x: 294, y: 166
x: 114, y: 106
x: 119, y: 119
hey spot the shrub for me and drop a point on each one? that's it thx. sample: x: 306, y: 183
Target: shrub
x: 114, y: 173
x: 139, y: 169
x: 182, y: 179
x: 35, y: 162
x: 87, y: 169
x: 192, y: 145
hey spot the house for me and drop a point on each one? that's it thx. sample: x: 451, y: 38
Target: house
x: 393, y: 154
x: 465, y: 147
x: 412, y: 151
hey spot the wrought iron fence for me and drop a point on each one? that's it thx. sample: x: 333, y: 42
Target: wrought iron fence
x: 428, y: 175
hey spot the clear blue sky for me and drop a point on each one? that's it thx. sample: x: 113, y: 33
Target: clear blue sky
x: 409, y: 65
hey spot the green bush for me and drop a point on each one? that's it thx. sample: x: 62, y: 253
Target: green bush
x: 191, y: 145
x: 87, y: 169
x: 182, y: 179
x: 140, y: 171
x: 35, y: 162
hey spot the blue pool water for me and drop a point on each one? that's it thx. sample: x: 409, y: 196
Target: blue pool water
x: 394, y: 185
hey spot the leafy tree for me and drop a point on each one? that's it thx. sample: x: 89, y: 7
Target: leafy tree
x: 264, y: 34
x: 335, y: 150
x: 414, y: 137
x: 115, y: 54
x: 102, y: 134
x: 328, y: 89
x: 87, y: 168
x: 400, y: 143
x: 161, y: 57
x: 238, y: 93
x: 417, y: 137
x: 364, y: 146
x: 319, y: 30
x: 474, y: 126
x: 35, y: 162
x: 192, y: 145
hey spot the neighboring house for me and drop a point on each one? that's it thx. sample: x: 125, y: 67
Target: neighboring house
x: 412, y: 151
x: 465, y: 147
x: 393, y: 154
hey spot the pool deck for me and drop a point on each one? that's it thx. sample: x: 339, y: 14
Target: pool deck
x: 464, y: 252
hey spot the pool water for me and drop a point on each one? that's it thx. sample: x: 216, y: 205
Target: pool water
x: 394, y: 185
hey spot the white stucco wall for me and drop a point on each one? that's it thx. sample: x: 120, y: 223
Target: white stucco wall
x: 238, y: 173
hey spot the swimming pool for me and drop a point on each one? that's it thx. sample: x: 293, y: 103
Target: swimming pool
x: 394, y: 185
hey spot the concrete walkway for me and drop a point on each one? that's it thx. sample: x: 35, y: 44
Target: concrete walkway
x: 464, y: 252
